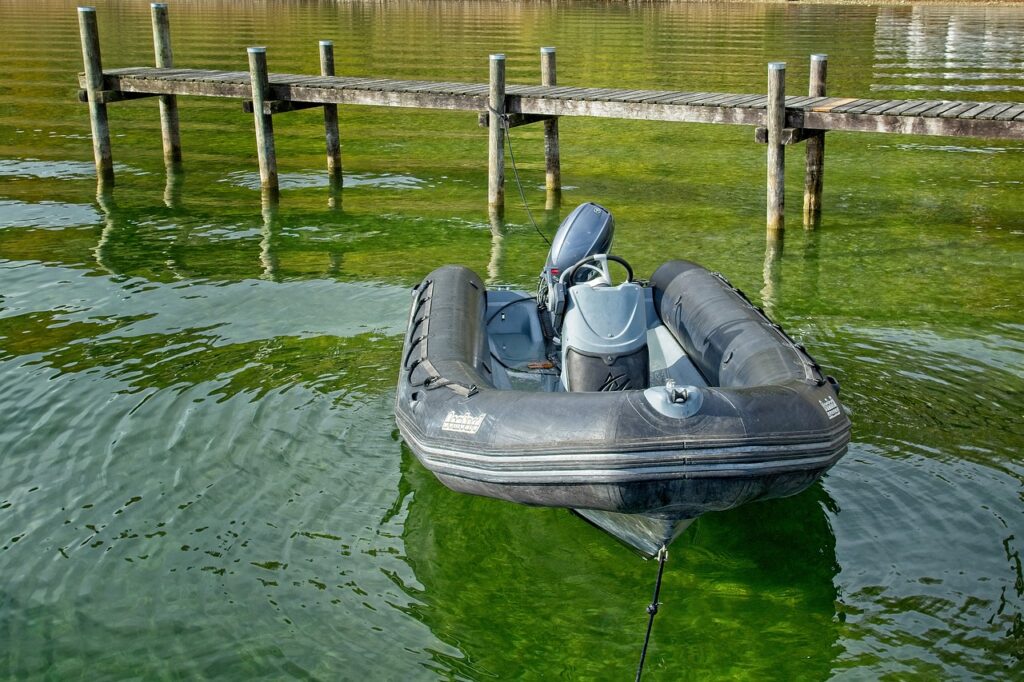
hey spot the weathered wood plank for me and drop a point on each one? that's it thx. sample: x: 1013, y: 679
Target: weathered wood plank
x: 915, y: 125
x: 815, y: 101
x: 905, y: 105
x: 108, y: 96
x: 884, y: 106
x: 630, y: 96
x: 1007, y: 115
x: 579, y: 93
x: 994, y: 111
x: 731, y: 100
x: 789, y: 135
x: 859, y: 107
x: 632, y: 110
x: 958, y: 109
x: 652, y: 95
x: 799, y: 102
x: 555, y: 93
x: 922, y: 108
x: 514, y: 120
x: 943, y: 107
x: 696, y: 107
x: 832, y: 103
x: 748, y: 100
x: 273, y: 107
x: 972, y: 113
x: 713, y: 100
x: 616, y: 94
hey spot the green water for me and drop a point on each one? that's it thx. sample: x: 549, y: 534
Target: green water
x: 199, y: 469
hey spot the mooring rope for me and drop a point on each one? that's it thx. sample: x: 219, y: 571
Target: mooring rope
x: 652, y: 609
x: 515, y: 171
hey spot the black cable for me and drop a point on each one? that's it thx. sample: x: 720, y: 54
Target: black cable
x: 515, y: 171
x: 510, y: 303
x: 652, y: 609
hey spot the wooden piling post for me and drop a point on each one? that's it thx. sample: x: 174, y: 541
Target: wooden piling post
x: 93, y: 87
x: 553, y: 164
x: 264, y: 122
x: 168, y: 103
x: 496, y: 134
x: 776, y: 151
x: 815, y: 161
x: 331, y: 118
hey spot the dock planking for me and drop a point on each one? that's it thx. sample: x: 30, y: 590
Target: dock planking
x: 956, y: 119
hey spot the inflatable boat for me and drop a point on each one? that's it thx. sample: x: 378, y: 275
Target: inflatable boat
x: 638, y: 405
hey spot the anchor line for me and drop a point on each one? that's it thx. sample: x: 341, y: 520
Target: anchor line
x: 515, y: 171
x: 652, y: 609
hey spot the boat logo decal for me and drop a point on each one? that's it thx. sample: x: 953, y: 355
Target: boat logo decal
x: 828, y: 404
x: 462, y: 423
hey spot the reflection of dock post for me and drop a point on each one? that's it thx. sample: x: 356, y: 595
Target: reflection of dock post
x: 553, y: 201
x: 94, y: 88
x: 776, y: 151
x: 496, y: 134
x: 269, y: 205
x: 497, y: 259
x: 172, y: 186
x: 552, y: 160
x: 264, y: 122
x: 815, y: 163
x: 105, y: 200
x: 331, y: 134
x: 772, y: 271
x: 169, y: 132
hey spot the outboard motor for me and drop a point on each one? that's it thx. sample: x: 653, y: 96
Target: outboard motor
x: 588, y: 230
x: 602, y: 328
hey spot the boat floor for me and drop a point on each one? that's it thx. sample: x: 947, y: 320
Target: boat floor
x: 528, y: 361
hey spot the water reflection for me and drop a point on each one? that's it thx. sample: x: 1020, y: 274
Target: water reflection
x: 772, y: 271
x: 174, y: 180
x: 334, y: 192
x: 270, y: 201
x: 108, y: 207
x: 957, y: 50
x: 494, y: 577
x: 553, y: 201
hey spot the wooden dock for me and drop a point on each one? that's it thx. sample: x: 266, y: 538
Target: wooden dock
x: 778, y: 120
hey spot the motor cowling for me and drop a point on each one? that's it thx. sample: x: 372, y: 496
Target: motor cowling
x: 588, y: 230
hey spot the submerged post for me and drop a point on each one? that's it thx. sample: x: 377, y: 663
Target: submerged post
x: 264, y: 123
x: 496, y: 134
x: 168, y: 103
x: 815, y: 163
x: 94, y: 87
x: 331, y: 118
x: 776, y: 151
x: 553, y: 164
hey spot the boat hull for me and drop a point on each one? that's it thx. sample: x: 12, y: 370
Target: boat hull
x: 617, y: 453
